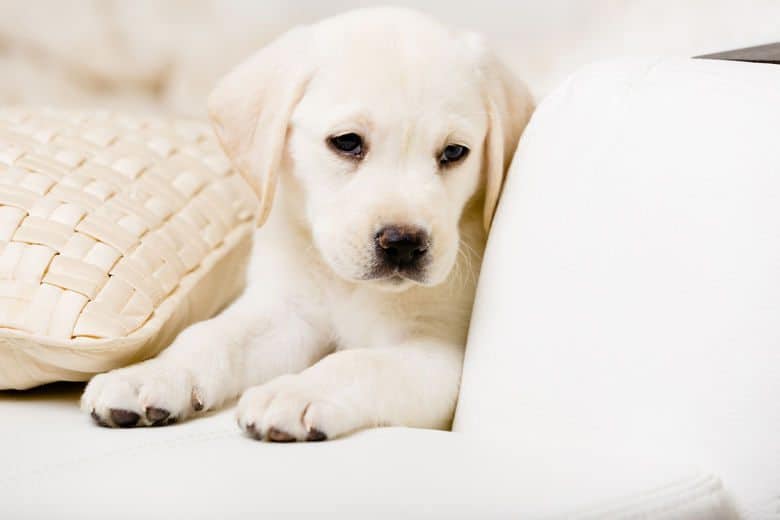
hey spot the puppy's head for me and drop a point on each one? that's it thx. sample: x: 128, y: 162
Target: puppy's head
x: 388, y: 123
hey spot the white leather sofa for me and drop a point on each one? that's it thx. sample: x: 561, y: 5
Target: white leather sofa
x: 623, y: 360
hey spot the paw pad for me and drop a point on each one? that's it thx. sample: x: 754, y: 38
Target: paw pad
x: 124, y: 418
x: 159, y: 416
x: 316, y: 435
x: 276, y: 435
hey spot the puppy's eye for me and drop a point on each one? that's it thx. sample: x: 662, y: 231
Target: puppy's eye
x: 452, y: 154
x: 350, y: 144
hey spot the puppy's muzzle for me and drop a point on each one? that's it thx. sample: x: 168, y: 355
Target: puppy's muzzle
x: 402, y: 248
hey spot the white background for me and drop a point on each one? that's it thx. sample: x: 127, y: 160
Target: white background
x: 166, y: 55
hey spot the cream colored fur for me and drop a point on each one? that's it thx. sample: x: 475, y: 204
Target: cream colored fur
x: 316, y: 348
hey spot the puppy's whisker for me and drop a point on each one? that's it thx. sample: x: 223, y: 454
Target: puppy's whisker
x: 462, y: 262
x: 468, y: 252
x: 470, y: 249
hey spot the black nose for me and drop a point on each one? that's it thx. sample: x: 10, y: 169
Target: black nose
x: 401, y: 246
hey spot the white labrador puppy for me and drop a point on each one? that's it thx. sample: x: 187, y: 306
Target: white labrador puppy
x: 384, y: 138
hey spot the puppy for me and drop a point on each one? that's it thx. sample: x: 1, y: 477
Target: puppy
x: 382, y: 139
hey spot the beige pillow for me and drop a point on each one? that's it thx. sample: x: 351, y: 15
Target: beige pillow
x: 116, y: 232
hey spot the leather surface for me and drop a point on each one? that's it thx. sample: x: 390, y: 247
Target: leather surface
x: 57, y: 463
x: 628, y: 302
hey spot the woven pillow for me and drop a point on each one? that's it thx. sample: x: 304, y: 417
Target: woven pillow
x: 115, y: 233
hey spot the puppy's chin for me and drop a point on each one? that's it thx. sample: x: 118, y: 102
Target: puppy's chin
x: 398, y: 282
x: 393, y: 283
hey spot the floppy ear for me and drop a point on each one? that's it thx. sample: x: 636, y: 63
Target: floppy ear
x: 509, y: 107
x: 250, y: 110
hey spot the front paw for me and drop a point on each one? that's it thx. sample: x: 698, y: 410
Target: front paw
x: 290, y: 409
x: 148, y: 394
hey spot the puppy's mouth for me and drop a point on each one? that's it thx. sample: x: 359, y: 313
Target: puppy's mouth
x: 392, y: 283
x: 392, y: 272
x: 395, y: 276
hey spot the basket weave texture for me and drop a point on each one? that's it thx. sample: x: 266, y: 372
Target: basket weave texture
x: 103, y: 215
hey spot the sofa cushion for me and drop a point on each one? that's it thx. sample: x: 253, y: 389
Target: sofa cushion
x: 116, y: 231
x: 630, y: 294
x: 57, y: 463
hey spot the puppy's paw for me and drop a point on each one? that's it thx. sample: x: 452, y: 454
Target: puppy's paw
x: 148, y: 394
x: 290, y: 409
